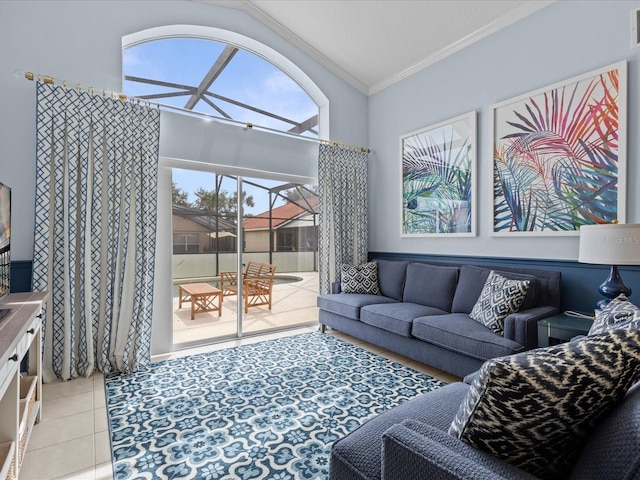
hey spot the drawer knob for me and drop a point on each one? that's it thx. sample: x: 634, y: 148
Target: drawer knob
x: 31, y: 330
x: 14, y: 357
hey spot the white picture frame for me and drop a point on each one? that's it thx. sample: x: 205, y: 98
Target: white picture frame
x: 438, y: 179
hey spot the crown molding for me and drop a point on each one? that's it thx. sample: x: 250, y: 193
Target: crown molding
x: 248, y: 7
x: 476, y: 36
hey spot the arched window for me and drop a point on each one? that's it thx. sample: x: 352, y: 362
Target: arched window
x: 217, y: 72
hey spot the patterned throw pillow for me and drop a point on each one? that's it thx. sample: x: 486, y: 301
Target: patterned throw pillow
x: 360, y: 279
x: 535, y: 409
x: 499, y: 298
x: 614, y: 315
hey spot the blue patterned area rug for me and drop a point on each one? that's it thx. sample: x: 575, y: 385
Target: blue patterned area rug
x: 269, y: 410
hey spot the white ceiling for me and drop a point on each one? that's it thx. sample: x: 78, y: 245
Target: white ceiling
x: 372, y: 44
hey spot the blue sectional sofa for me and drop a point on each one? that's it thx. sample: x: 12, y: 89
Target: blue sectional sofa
x: 411, y: 441
x: 423, y: 313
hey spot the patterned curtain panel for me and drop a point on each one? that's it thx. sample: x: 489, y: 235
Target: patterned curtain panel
x: 343, y: 229
x: 95, y: 230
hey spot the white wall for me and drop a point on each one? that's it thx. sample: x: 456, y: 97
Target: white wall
x: 561, y: 41
x: 80, y: 41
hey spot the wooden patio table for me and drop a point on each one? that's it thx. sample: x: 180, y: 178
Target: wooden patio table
x: 202, y: 297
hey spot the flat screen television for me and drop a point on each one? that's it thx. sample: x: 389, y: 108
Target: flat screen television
x: 5, y: 245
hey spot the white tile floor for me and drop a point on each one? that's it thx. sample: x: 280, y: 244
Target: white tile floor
x: 72, y: 440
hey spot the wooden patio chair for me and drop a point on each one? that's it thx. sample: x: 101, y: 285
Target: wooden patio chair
x: 257, y: 283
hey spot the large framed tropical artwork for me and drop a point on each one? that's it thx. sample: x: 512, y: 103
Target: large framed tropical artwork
x: 439, y: 179
x: 559, y: 156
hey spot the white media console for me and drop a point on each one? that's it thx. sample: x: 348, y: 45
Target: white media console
x: 20, y: 393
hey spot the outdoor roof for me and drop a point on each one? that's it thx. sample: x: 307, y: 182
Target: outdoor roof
x: 203, y: 217
x: 280, y: 216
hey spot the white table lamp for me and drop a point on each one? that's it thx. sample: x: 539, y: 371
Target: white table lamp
x: 610, y: 244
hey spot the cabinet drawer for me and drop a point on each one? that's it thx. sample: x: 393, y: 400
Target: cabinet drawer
x: 32, y: 330
x: 8, y: 369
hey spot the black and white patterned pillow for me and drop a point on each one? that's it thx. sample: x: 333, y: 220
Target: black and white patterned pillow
x: 360, y: 279
x: 535, y: 409
x: 500, y: 297
x: 616, y: 313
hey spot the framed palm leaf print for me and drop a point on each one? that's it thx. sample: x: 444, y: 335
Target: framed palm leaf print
x: 559, y: 156
x: 439, y: 177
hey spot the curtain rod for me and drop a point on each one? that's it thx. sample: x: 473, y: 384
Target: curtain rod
x: 121, y: 96
x: 115, y: 95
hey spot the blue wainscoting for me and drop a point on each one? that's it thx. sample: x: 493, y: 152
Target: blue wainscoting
x: 21, y: 275
x: 579, y: 281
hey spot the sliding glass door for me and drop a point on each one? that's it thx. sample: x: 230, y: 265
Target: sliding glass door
x: 218, y: 233
x: 279, y: 228
x: 204, y: 232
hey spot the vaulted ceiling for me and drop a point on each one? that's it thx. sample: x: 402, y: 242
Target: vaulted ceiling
x: 372, y: 44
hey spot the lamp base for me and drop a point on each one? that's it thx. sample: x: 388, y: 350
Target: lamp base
x: 612, y: 287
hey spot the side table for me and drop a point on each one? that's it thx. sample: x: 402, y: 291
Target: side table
x: 561, y: 328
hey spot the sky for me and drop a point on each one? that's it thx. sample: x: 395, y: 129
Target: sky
x: 247, y: 78
x: 189, y: 181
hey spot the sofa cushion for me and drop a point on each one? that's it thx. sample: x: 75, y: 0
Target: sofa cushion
x: 535, y: 409
x: 613, y: 449
x: 459, y: 333
x: 358, y: 455
x: 499, y: 298
x: 391, y: 277
x: 349, y: 304
x: 360, y: 279
x: 616, y: 313
x: 430, y: 285
x: 396, y: 317
x: 414, y: 451
x: 471, y: 283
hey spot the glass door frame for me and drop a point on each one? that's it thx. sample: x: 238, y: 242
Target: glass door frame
x: 251, y: 179
x: 239, y: 256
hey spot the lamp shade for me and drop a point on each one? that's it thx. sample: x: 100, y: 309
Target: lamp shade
x: 610, y: 244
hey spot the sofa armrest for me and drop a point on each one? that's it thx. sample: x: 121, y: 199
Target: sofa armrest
x: 416, y: 450
x: 522, y: 327
x: 336, y: 287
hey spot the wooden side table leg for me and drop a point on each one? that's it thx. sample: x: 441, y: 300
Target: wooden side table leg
x: 194, y: 299
x: 179, y: 297
x: 220, y: 304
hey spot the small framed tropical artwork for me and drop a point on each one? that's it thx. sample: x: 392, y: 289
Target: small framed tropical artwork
x: 439, y: 179
x: 559, y: 156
